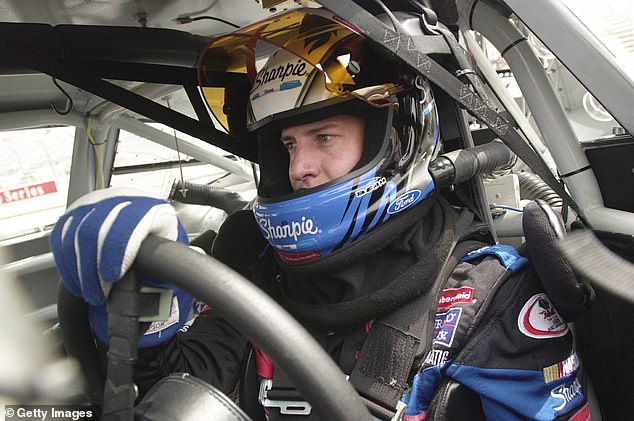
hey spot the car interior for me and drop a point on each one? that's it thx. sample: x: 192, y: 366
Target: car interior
x: 99, y: 94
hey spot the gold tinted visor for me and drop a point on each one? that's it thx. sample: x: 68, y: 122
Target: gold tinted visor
x: 228, y: 67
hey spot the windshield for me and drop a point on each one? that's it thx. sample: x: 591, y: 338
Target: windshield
x: 612, y: 23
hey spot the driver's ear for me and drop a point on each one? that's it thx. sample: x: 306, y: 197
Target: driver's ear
x: 239, y: 242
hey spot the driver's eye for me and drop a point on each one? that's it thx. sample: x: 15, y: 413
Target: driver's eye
x: 289, y: 144
x: 325, y: 137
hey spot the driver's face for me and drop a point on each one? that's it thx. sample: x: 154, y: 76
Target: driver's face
x: 322, y: 150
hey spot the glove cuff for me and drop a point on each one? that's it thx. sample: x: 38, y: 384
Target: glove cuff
x: 156, y: 332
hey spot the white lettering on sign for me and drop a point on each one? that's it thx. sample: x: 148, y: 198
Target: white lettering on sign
x: 27, y: 192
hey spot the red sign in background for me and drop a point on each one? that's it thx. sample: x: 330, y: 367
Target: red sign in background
x: 27, y: 192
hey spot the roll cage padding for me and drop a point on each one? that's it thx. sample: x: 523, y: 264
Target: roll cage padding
x: 106, y: 44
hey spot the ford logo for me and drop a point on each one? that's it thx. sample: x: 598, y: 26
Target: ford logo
x: 404, y: 201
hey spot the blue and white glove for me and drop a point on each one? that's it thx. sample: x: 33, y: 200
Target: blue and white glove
x: 96, y: 241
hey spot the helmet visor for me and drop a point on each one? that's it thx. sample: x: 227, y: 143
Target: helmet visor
x: 228, y: 67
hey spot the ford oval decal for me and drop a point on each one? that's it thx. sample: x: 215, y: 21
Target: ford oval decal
x: 404, y: 201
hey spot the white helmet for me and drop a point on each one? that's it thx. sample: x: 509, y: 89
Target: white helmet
x: 320, y: 67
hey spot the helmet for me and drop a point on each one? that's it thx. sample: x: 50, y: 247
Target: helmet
x: 315, y: 66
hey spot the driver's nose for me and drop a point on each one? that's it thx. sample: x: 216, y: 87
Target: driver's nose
x: 305, y: 167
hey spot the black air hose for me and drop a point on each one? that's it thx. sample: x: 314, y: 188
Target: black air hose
x: 457, y: 166
x: 532, y: 187
x: 202, y: 194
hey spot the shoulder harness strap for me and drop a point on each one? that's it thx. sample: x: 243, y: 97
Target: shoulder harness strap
x: 386, y: 359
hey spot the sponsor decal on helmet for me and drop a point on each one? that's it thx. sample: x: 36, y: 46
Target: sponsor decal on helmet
x: 292, y: 229
x: 291, y: 84
x: 300, y: 245
x: 299, y: 257
x: 565, y: 393
x: 452, y: 296
x: 373, y: 185
x: 445, y: 326
x: 404, y: 201
x: 262, y: 93
x: 538, y: 319
x: 561, y: 369
x: 281, y: 72
x: 286, y: 86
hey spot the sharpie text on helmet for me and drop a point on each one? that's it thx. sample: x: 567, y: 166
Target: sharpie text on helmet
x: 280, y: 72
x: 292, y: 229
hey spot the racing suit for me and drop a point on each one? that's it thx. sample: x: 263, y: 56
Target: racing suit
x: 498, y: 349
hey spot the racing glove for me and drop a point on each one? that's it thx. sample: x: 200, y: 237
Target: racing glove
x: 96, y: 241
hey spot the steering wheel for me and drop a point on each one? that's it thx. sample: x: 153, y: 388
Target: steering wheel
x: 317, y: 377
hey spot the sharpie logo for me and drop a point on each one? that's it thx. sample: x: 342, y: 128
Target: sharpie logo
x: 404, y: 201
x: 293, y: 229
x: 280, y: 72
x: 566, y: 393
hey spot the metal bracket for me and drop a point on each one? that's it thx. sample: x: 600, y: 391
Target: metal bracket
x: 286, y: 407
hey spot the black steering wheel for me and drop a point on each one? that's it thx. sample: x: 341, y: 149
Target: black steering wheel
x: 312, y: 370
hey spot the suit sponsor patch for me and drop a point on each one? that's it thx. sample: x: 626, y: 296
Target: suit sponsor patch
x: 583, y: 414
x: 539, y: 319
x: 452, y: 296
x: 565, y: 394
x: 437, y: 357
x: 562, y: 369
x: 445, y: 326
x: 174, y: 317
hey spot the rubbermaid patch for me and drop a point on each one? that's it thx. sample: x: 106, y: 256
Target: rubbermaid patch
x: 453, y: 296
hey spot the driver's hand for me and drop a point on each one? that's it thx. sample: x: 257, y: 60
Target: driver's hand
x: 96, y: 241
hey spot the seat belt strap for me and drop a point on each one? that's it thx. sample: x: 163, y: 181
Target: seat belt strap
x: 382, y: 372
x: 402, y: 46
